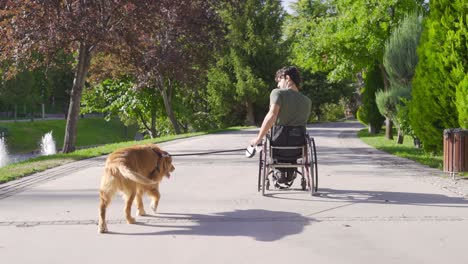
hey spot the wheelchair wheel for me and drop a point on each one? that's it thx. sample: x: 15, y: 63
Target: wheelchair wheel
x: 311, y: 167
x: 262, y: 169
x: 315, y: 163
x: 261, y: 164
x: 265, y: 169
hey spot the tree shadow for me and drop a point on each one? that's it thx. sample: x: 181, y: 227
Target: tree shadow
x: 261, y: 225
x: 399, y: 198
x: 379, y: 197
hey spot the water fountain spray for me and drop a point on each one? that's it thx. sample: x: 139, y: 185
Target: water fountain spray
x: 48, y: 145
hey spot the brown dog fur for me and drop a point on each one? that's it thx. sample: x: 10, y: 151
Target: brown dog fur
x: 133, y: 171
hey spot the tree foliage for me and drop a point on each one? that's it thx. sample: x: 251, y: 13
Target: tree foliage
x: 400, y: 60
x: 245, y: 68
x: 83, y: 28
x: 31, y: 87
x: 346, y: 36
x: 440, y: 85
x: 316, y: 85
x: 323, y: 92
x: 27, y: 88
x: 176, y: 51
x: 119, y: 98
x: 368, y: 112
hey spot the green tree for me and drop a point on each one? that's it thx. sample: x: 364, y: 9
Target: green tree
x: 175, y: 52
x: 368, y: 112
x: 245, y: 68
x: 27, y: 88
x: 400, y: 60
x: 440, y: 85
x: 85, y: 28
x: 323, y: 92
x: 345, y: 37
x: 46, y: 86
x: 119, y: 98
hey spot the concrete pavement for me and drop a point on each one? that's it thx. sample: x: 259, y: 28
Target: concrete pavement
x: 372, y: 207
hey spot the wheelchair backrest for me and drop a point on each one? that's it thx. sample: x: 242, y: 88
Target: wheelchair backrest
x: 288, y: 136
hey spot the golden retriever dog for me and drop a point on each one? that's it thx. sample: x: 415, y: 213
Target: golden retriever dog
x: 133, y: 171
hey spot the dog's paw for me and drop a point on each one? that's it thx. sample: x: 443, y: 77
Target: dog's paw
x: 141, y: 213
x: 154, y: 207
x: 102, y: 229
x: 131, y: 220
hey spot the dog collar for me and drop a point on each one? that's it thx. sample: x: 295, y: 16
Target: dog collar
x: 163, y: 155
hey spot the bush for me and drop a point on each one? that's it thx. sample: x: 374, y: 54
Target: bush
x: 361, y: 115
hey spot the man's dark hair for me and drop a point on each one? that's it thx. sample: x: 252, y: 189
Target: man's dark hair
x: 291, y: 71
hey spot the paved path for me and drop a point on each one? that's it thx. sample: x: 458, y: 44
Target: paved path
x: 372, y: 208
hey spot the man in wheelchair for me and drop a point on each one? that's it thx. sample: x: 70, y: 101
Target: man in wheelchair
x: 288, y: 115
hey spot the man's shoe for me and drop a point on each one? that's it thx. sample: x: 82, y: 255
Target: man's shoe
x: 281, y: 177
x: 290, y: 176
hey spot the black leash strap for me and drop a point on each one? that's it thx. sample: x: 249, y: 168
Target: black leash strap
x: 206, y: 153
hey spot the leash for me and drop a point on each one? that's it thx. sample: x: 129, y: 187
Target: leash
x: 250, y: 151
x: 206, y: 153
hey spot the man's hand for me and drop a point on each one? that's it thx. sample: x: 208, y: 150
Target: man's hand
x: 256, y: 141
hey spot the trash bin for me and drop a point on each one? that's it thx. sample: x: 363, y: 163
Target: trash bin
x: 455, y: 150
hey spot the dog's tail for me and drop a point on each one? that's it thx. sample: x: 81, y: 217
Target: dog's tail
x: 135, y: 176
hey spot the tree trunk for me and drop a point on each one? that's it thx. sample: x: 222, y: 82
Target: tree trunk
x: 84, y: 59
x: 165, y: 92
x: 400, y: 137
x: 416, y: 142
x: 16, y: 113
x: 250, y: 118
x: 318, y: 113
x: 372, y: 129
x: 388, y: 128
x: 153, y: 132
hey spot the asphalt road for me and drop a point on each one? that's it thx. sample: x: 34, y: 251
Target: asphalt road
x: 372, y: 208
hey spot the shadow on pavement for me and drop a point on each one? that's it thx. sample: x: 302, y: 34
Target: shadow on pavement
x: 261, y: 225
x: 406, y: 198
x: 379, y: 197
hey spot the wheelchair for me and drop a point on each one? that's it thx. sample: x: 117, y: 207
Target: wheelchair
x: 292, y: 152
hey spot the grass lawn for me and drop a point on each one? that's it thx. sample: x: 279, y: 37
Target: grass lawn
x: 25, y: 137
x: 405, y: 150
x: 21, y: 169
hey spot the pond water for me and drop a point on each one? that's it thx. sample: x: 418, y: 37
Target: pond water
x: 47, y: 148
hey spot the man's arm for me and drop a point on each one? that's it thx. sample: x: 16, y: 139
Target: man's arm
x: 268, y: 122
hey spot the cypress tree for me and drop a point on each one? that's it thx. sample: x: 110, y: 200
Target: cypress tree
x: 368, y: 112
x: 440, y: 84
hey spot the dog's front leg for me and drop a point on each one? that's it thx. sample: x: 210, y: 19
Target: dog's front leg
x: 128, y: 208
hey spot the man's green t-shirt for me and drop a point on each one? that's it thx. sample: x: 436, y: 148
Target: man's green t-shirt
x: 294, y: 107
